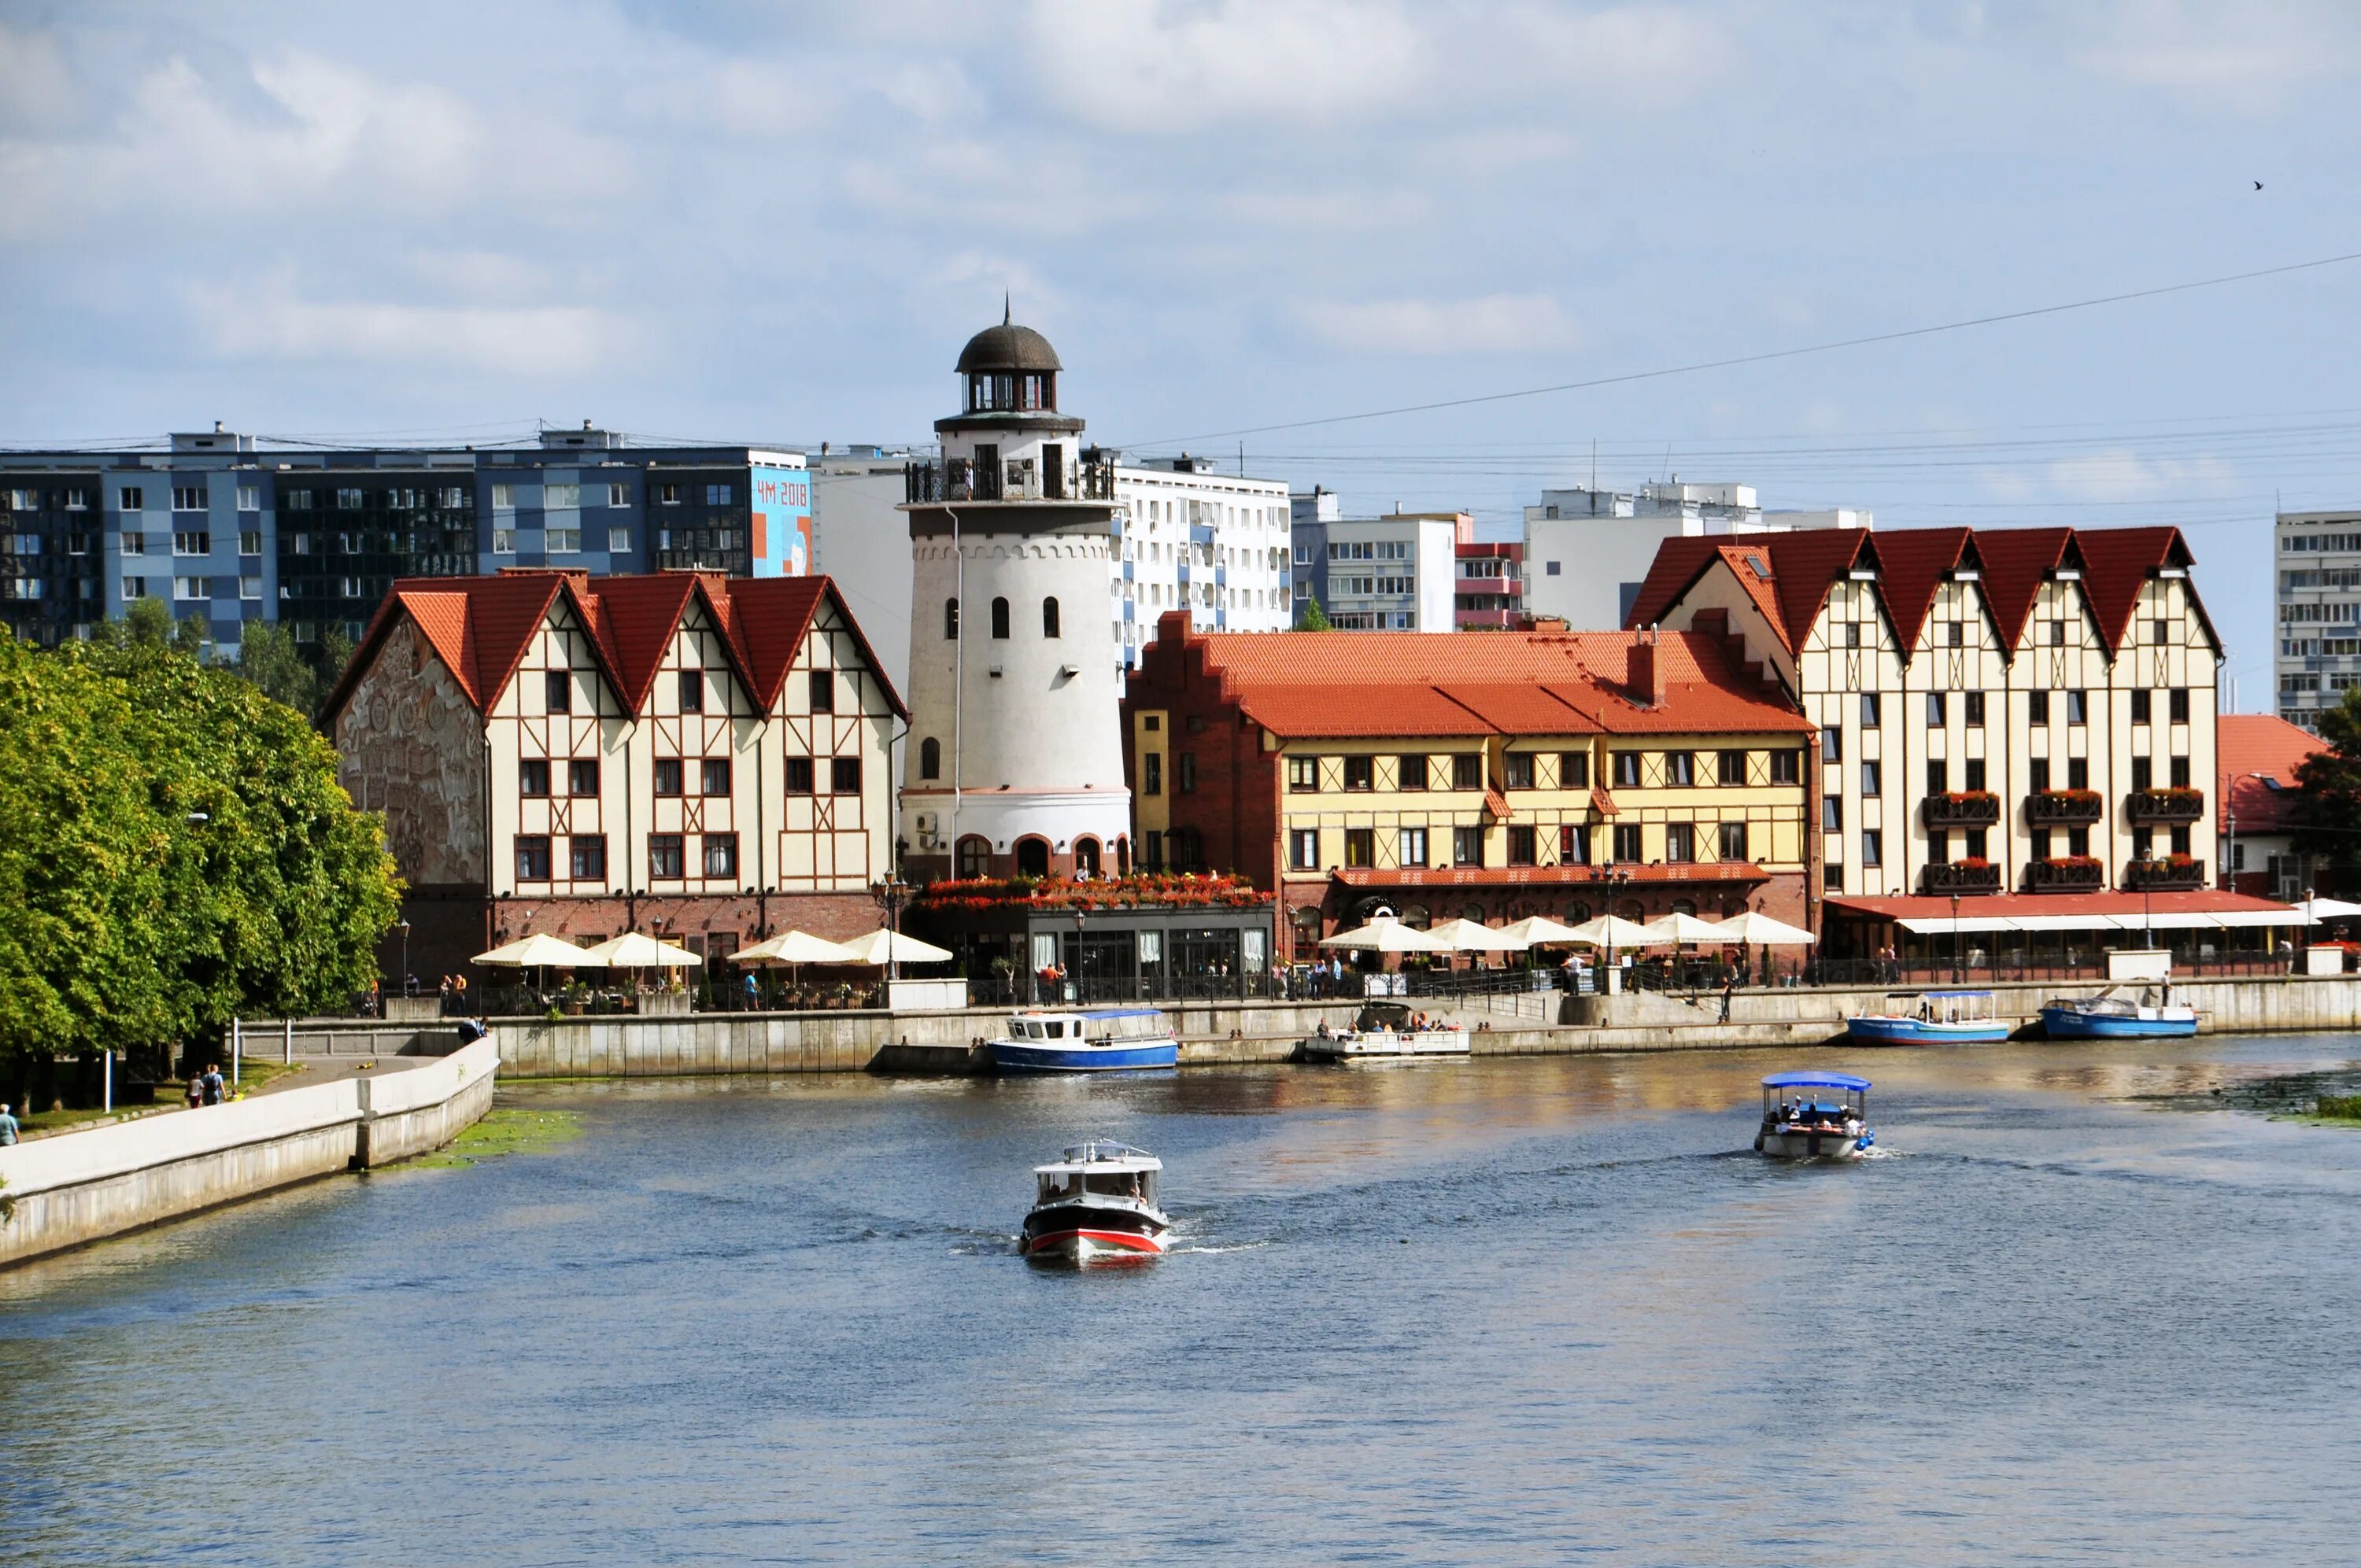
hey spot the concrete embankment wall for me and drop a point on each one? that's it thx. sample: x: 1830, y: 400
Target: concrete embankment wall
x: 1543, y: 1023
x: 79, y: 1186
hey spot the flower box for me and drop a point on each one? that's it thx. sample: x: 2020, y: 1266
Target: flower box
x: 1961, y: 808
x: 2159, y: 807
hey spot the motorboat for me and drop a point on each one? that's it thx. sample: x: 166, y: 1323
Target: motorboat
x: 2114, y: 1019
x: 1815, y: 1115
x: 1096, y: 1202
x: 1930, y: 1018
x: 1386, y: 1031
x: 1105, y: 1039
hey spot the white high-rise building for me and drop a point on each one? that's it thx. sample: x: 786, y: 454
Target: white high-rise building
x: 1587, y: 550
x: 2318, y: 585
x: 1398, y: 572
x: 1015, y: 754
x: 1187, y: 538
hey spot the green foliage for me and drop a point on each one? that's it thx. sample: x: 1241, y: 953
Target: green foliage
x: 2338, y: 1107
x: 2327, y: 810
x: 269, y: 660
x: 174, y: 849
x: 1311, y: 618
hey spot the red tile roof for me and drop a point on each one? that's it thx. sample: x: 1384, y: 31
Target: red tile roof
x: 2245, y: 744
x: 1913, y: 563
x: 1802, y: 565
x: 2017, y: 561
x: 480, y: 626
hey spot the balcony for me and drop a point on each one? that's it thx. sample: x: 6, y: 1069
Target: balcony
x: 2165, y: 807
x: 2181, y: 873
x: 1959, y: 879
x: 2071, y: 873
x: 2062, y: 808
x: 1019, y: 480
x: 1962, y: 808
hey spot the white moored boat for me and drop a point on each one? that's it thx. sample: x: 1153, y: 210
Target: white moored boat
x: 1799, y: 1122
x: 1097, y: 1202
x: 1387, y: 1031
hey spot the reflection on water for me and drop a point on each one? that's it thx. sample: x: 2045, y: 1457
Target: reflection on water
x: 1505, y: 1311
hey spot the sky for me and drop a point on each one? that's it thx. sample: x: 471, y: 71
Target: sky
x: 778, y: 222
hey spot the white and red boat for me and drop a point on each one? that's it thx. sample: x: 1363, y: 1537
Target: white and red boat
x: 1097, y: 1203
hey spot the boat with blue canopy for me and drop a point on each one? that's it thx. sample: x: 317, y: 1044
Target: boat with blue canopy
x: 1815, y: 1115
x: 1930, y: 1018
x: 2114, y: 1019
x: 1091, y: 1040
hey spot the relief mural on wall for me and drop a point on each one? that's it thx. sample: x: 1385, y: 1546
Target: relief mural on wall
x: 413, y: 747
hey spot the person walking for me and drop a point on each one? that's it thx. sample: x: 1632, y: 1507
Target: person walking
x: 214, y: 1086
x: 8, y: 1126
x: 197, y: 1095
x: 1727, y: 985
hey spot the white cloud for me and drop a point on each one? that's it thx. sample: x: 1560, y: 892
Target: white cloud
x: 1497, y: 324
x: 35, y: 86
x: 521, y: 341
x: 2245, y: 57
x: 2121, y: 475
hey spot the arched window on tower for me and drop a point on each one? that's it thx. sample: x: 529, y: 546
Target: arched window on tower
x: 1049, y: 618
x: 1000, y: 618
x: 930, y: 758
x: 950, y: 621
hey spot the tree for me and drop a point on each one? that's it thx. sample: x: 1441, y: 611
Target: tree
x: 2327, y: 808
x: 269, y: 660
x: 175, y: 851
x: 1311, y: 618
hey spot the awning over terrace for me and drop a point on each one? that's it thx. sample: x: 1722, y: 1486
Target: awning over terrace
x: 2203, y: 910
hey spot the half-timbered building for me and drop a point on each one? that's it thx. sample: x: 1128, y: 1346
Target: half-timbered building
x: 693, y: 756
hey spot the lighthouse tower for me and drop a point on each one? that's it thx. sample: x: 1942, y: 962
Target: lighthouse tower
x: 1016, y: 748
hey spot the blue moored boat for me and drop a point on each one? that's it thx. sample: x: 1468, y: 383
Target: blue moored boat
x: 1932, y: 1017
x: 2114, y: 1019
x: 1104, y: 1039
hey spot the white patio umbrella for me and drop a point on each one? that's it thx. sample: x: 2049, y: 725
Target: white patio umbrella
x: 1611, y: 931
x: 794, y: 947
x: 881, y: 946
x: 2320, y: 909
x: 1386, y: 936
x: 636, y: 949
x: 1677, y: 927
x: 1539, y: 931
x: 538, y: 951
x: 1759, y: 930
x: 1470, y: 937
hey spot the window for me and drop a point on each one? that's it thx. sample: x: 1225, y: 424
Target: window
x: 503, y: 540
x: 2142, y: 774
x: 667, y: 775
x: 799, y: 775
x: 1517, y: 770
x: 1937, y: 710
x: 1852, y: 633
x: 249, y: 541
x: 1978, y: 842
x: 716, y: 495
x: 561, y: 498
x: 1786, y: 767
x: 1412, y: 771
x: 1831, y: 814
x: 1573, y: 845
x: 130, y: 498
x: 1732, y: 846
x: 249, y: 588
x: 1869, y: 710
x: 2078, y: 772
x: 587, y: 855
x: 192, y: 588
x: 619, y: 541
x: 1303, y: 774
x: 1549, y: 569
x: 557, y: 690
x: 691, y: 686
x: 135, y: 588
x: 2159, y: 632
x: 2180, y: 840
x: 1873, y: 848
x: 2178, y: 773
x: 77, y: 500
x: 2036, y: 708
x: 1831, y: 743
x: 1627, y: 843
x: 2078, y: 708
x: 348, y: 500
x: 1974, y: 782
x: 1939, y: 776
x: 1869, y: 779
x: 503, y: 497
x: 1466, y: 771
x: 950, y: 621
x: 533, y: 857
x: 1185, y: 772
x: 1955, y: 634
x: 1680, y: 769
x: 1832, y: 877
x: 1680, y: 842
x: 1573, y: 770
x: 2141, y: 706
x: 1360, y: 846
x: 188, y: 498
x: 134, y: 544
x: 931, y: 761
x: 582, y: 776
x: 713, y: 775
x: 665, y: 495
x: 844, y: 775
x: 1729, y: 767
x: 2037, y: 774
x: 1303, y: 849
x: 1522, y: 850
x: 532, y: 777
x: 1467, y: 846
x: 1411, y: 845
x: 720, y: 854
x: 823, y: 691
x: 565, y: 541
x: 1627, y: 770
x: 2078, y: 841
x: 1000, y: 618
x: 1973, y: 705
x: 249, y: 498
x: 1049, y: 618
x: 972, y: 852
x: 2178, y: 704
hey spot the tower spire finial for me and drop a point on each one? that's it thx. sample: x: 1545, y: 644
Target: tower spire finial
x: 1005, y: 312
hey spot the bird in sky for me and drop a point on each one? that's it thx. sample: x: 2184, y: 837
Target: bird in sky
x: 2259, y: 184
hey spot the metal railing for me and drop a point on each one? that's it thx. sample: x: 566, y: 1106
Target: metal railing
x: 2164, y: 807
x: 961, y: 479
x: 2062, y: 808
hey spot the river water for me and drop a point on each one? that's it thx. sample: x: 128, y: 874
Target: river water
x: 1503, y: 1311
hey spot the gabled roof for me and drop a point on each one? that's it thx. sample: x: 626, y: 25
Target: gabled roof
x: 2018, y: 561
x: 480, y: 626
x: 1913, y: 562
x: 2247, y: 744
x: 2117, y: 561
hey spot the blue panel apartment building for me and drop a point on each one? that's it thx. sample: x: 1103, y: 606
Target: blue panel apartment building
x: 231, y: 531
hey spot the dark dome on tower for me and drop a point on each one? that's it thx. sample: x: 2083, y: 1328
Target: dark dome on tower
x: 1008, y: 347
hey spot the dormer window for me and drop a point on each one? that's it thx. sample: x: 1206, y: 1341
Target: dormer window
x: 1012, y: 391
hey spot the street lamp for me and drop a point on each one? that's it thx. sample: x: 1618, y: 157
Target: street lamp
x: 405, y: 957
x: 1955, y: 936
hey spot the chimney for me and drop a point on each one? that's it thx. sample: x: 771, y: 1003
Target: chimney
x: 1646, y: 673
